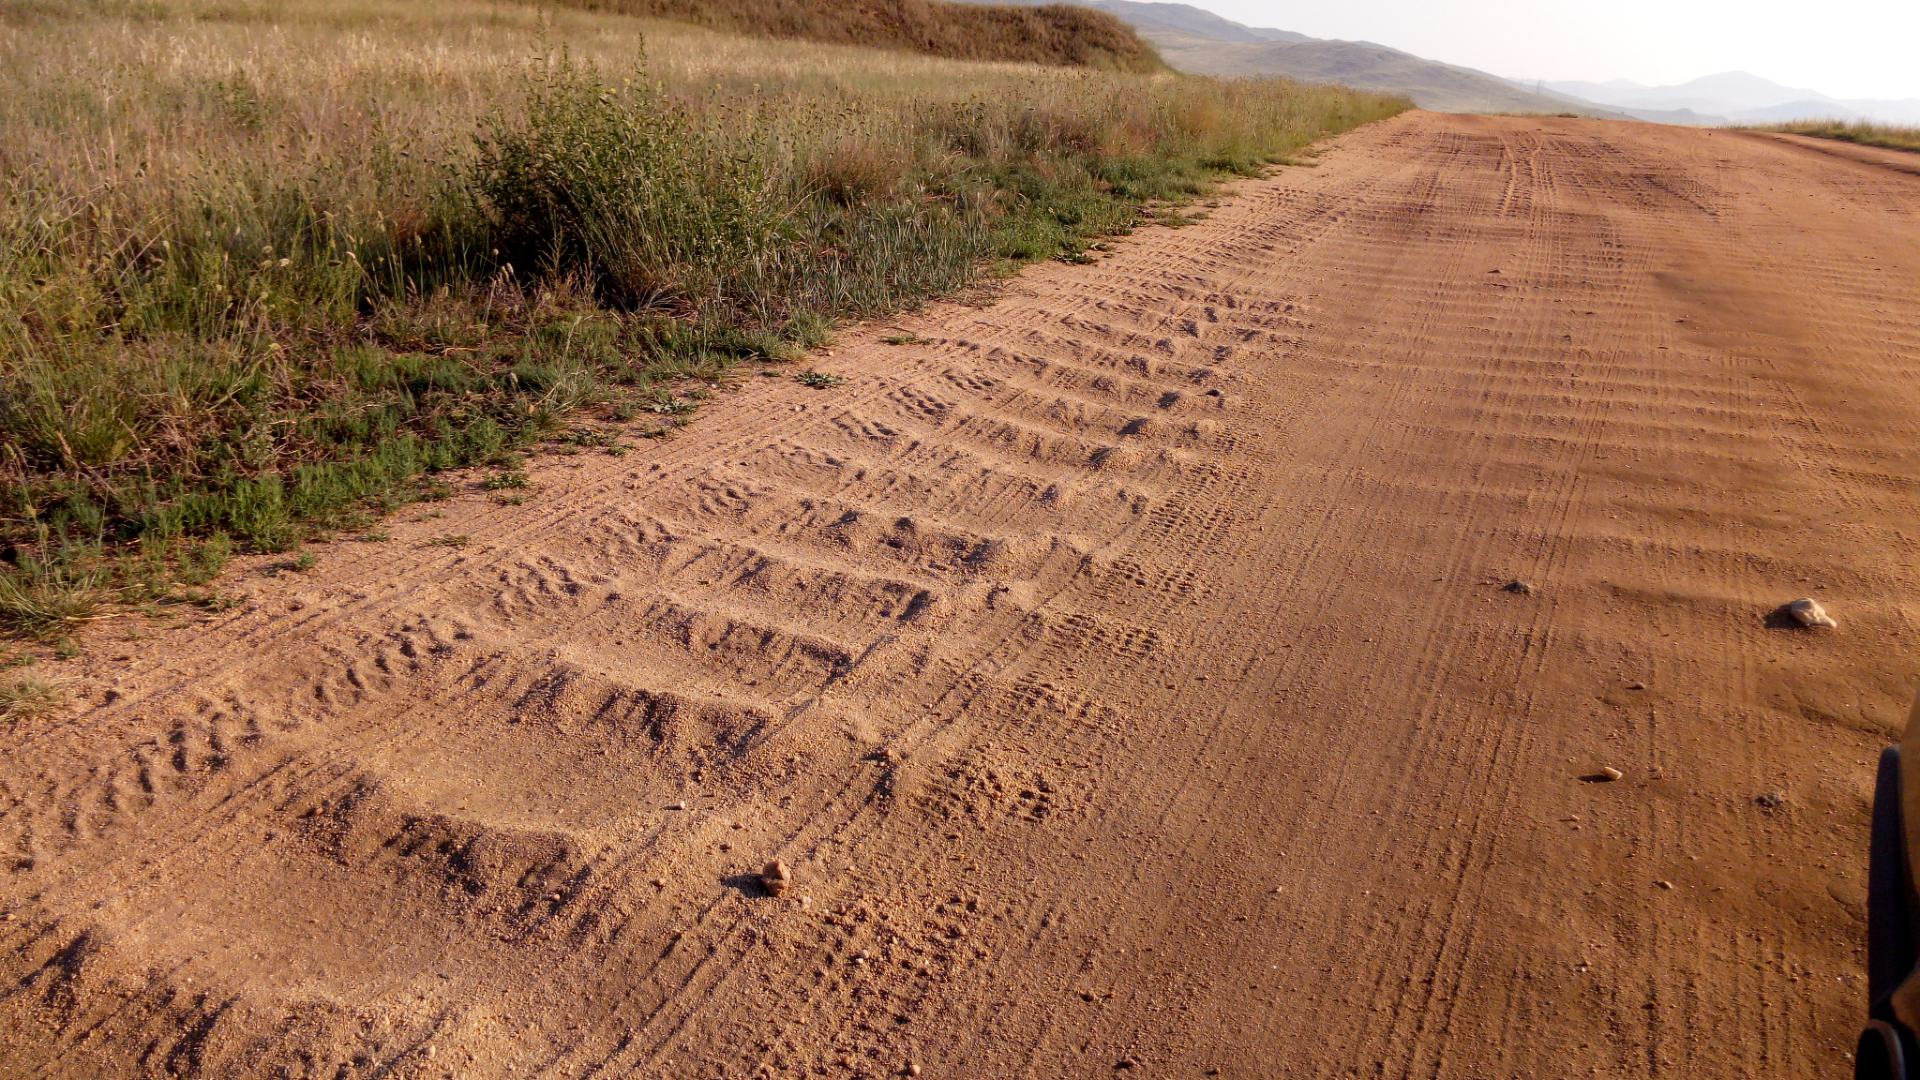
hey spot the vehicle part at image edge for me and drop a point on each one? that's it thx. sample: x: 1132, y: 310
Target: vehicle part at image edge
x: 1888, y: 1042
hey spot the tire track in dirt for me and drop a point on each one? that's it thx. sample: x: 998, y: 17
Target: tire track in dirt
x: 1123, y: 669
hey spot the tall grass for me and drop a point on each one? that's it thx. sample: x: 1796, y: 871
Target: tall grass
x: 1893, y: 138
x: 267, y: 265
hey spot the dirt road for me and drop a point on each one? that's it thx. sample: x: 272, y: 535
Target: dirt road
x: 1124, y: 670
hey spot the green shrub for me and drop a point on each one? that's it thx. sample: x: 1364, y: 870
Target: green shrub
x: 611, y: 183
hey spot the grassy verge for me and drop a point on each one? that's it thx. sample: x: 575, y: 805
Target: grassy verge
x: 1893, y: 138
x: 267, y: 268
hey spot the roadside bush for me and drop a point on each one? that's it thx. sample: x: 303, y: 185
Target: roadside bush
x: 611, y: 183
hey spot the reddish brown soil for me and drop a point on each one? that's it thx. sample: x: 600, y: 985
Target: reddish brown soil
x: 1124, y: 671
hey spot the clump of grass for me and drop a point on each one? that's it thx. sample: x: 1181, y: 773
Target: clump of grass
x: 513, y: 478
x: 29, y: 699
x: 458, y: 540
x: 39, y: 600
x: 818, y: 380
x: 1892, y: 138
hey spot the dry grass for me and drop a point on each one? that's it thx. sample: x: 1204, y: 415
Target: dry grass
x: 1060, y: 34
x: 264, y: 264
x: 28, y: 699
x: 1893, y: 138
x: 47, y: 602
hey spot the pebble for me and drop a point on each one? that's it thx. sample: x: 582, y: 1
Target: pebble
x: 1664, y: 884
x: 1520, y: 587
x: 1810, y: 613
x: 678, y: 806
x: 1771, y: 799
x: 913, y: 1068
x: 1612, y: 774
x: 776, y: 878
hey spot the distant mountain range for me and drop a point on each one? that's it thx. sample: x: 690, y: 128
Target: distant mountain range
x: 1735, y: 97
x: 1196, y: 40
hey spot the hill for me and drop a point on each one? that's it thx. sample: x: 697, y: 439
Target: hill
x: 1364, y: 66
x: 1058, y: 34
x: 1187, y: 19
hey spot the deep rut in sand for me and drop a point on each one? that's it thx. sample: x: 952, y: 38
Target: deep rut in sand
x: 1123, y: 669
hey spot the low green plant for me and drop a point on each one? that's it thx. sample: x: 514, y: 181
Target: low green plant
x: 503, y: 481
x: 457, y: 540
x: 818, y: 380
x: 663, y: 403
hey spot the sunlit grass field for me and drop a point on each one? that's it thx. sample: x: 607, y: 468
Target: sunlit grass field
x: 267, y: 266
x: 1893, y: 138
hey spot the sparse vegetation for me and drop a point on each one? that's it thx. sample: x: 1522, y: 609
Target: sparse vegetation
x: 268, y: 266
x: 818, y: 380
x: 1893, y: 138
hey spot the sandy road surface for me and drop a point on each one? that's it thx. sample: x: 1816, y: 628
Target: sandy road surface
x: 1123, y: 671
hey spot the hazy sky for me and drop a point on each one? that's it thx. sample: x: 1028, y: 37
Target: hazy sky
x: 1847, y: 48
